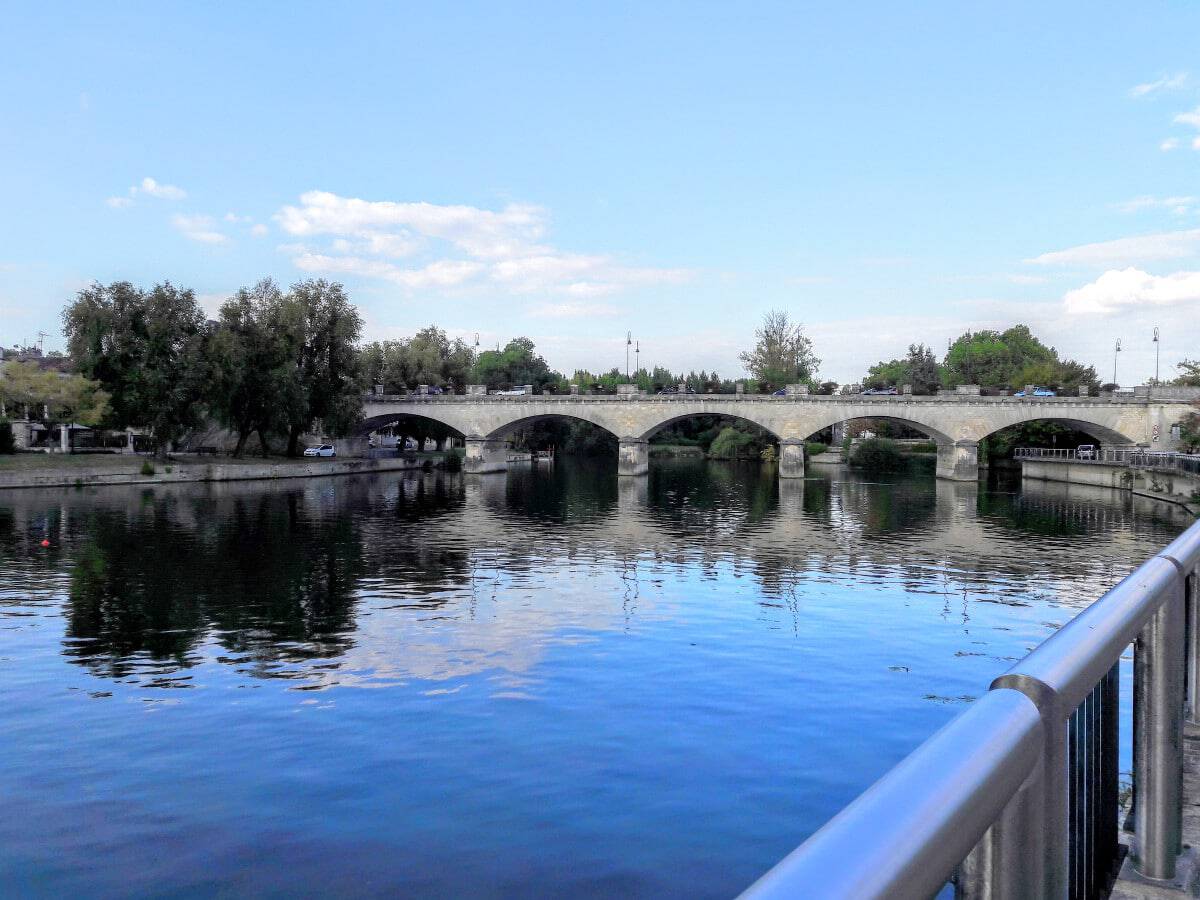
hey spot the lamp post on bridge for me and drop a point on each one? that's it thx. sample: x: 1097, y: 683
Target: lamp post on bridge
x: 1116, y: 350
x: 628, y: 344
x: 1156, y: 349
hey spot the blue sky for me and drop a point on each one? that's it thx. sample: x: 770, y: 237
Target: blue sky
x: 888, y: 173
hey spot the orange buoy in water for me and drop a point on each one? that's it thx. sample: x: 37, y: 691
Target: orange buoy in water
x: 45, y: 543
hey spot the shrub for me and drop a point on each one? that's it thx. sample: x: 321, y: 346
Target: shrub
x: 454, y: 461
x: 148, y: 468
x: 730, y: 443
x: 878, y: 455
x: 7, y: 443
x: 923, y: 447
x: 814, y: 448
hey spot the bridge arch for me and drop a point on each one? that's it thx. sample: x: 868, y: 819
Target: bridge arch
x: 1104, y: 433
x: 378, y: 422
x: 573, y: 415
x: 685, y: 414
x: 917, y: 422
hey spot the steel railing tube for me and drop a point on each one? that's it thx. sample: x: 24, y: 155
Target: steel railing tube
x: 1192, y: 632
x: 1007, y: 864
x: 905, y: 836
x: 1158, y: 696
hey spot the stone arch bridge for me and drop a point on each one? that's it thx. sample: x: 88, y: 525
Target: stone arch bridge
x: 956, y: 423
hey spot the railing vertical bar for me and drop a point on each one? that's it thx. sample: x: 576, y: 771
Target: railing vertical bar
x: 1095, y: 730
x: 1074, y: 807
x: 1110, y: 767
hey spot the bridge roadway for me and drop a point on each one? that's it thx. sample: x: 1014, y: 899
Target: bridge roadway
x: 955, y: 422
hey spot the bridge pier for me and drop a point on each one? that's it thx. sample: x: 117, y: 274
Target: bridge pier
x: 484, y: 455
x: 958, y: 461
x: 633, y: 456
x: 791, y: 458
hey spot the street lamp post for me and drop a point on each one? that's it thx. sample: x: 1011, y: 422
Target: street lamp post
x: 637, y: 356
x: 1116, y: 350
x: 1156, y: 348
x: 628, y: 344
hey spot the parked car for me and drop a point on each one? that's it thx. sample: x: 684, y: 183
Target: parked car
x: 1037, y: 392
x: 887, y: 391
x: 322, y: 450
x: 782, y: 392
x: 1085, y: 451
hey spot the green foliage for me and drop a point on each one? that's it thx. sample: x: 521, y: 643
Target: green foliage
x: 731, y: 444
x: 1189, y: 373
x: 1189, y: 432
x: 148, y: 351
x: 1038, y: 433
x: 66, y: 398
x: 1011, y: 359
x: 923, y: 447
x: 517, y: 364
x: 148, y: 467
x: 814, y: 448
x: 878, y: 455
x: 428, y: 357
x: 252, y: 358
x: 919, y: 368
x: 7, y: 442
x: 454, y: 461
x: 323, y: 328
x: 783, y: 354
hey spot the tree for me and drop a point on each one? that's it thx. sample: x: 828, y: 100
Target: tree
x: 919, y: 369
x: 1011, y: 359
x: 782, y: 355
x: 53, y: 395
x: 147, y: 349
x: 518, y: 363
x: 250, y: 357
x: 1189, y: 373
x: 323, y: 376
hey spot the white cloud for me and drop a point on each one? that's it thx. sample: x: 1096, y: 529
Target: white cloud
x: 1168, y: 245
x: 152, y: 188
x: 260, y: 230
x: 1027, y: 279
x: 198, y: 228
x: 1178, y: 205
x: 439, y: 274
x: 572, y: 309
x: 1189, y: 118
x: 452, y: 246
x: 1169, y: 144
x: 119, y: 202
x: 211, y: 303
x: 1118, y: 289
x: 1166, y: 83
x: 1196, y: 143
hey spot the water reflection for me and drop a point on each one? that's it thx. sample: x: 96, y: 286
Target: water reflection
x: 565, y: 666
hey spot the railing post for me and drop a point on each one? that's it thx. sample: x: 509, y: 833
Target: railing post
x: 1193, y: 649
x: 1158, y: 701
x: 1008, y: 862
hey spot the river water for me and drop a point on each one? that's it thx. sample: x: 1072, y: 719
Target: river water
x: 550, y: 683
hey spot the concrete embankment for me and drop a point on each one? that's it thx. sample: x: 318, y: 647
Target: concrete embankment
x: 175, y: 471
x: 1158, y: 484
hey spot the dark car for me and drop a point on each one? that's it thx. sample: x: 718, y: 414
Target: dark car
x: 782, y: 392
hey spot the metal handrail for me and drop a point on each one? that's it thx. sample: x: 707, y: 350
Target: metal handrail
x: 1135, y: 458
x: 1017, y: 823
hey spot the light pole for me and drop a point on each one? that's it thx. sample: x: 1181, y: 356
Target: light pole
x: 1116, y: 350
x: 637, y: 356
x: 628, y: 344
x: 1156, y: 347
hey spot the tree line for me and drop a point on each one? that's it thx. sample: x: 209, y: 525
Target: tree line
x: 279, y: 363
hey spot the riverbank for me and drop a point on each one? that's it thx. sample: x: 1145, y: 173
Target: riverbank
x: 27, y: 470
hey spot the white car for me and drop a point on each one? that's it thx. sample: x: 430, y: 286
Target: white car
x: 323, y: 450
x: 1086, y: 451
